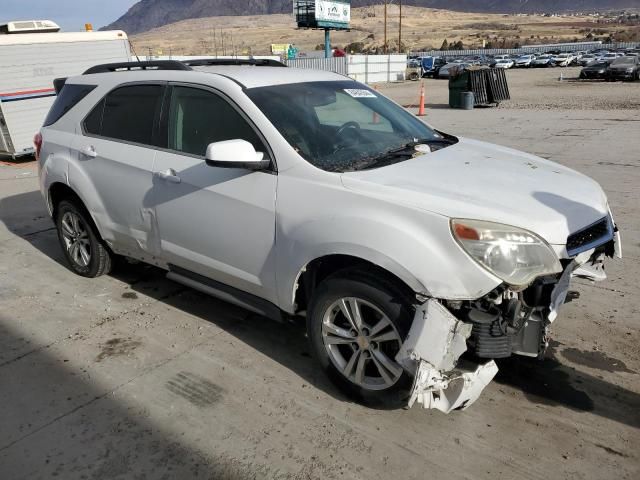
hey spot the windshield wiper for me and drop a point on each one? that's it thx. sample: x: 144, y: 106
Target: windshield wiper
x: 388, y: 157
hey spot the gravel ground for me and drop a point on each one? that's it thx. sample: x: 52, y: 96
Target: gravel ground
x: 535, y: 88
x: 133, y: 376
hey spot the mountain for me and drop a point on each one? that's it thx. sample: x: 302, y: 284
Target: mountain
x: 148, y: 14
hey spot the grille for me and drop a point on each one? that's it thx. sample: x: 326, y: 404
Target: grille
x: 588, y: 237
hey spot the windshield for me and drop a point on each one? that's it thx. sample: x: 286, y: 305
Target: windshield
x: 344, y: 125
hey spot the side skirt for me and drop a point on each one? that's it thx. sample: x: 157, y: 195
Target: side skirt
x: 224, y: 292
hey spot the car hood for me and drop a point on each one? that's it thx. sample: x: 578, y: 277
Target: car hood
x: 622, y: 66
x: 478, y: 180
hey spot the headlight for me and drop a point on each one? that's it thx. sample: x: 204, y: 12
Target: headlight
x: 630, y: 70
x: 514, y: 255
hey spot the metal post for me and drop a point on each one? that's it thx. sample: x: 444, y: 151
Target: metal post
x: 400, y: 31
x: 385, y: 27
x: 327, y: 43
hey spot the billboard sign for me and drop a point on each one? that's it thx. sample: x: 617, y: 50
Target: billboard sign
x: 334, y: 14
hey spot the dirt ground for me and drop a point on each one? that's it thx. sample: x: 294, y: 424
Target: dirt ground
x: 133, y: 376
x: 423, y: 29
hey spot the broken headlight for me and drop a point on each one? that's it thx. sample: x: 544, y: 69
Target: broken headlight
x: 514, y: 255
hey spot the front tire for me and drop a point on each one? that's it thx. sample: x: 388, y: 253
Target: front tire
x: 85, y: 251
x: 356, y: 324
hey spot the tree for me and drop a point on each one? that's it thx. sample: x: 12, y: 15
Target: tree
x: 445, y: 45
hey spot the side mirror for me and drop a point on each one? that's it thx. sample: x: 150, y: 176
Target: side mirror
x: 235, y: 154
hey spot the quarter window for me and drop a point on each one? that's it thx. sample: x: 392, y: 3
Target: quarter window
x: 198, y: 117
x: 68, y: 98
x: 127, y: 113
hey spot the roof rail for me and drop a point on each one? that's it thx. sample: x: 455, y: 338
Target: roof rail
x: 128, y: 66
x: 256, y: 62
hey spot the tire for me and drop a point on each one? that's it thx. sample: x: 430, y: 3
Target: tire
x: 379, y: 303
x: 83, y: 248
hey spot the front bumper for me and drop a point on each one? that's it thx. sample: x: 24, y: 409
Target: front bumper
x: 497, y: 325
x: 623, y: 75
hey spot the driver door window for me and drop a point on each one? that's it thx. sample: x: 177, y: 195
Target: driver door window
x: 199, y: 117
x: 345, y: 106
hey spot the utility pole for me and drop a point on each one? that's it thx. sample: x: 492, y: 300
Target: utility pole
x: 385, y: 49
x: 400, y: 31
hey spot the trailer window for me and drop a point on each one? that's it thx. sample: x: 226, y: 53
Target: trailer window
x: 68, y: 97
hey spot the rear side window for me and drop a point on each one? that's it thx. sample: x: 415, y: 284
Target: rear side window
x: 68, y: 97
x: 127, y: 113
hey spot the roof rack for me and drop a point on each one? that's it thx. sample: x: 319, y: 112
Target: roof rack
x: 256, y: 62
x: 128, y: 66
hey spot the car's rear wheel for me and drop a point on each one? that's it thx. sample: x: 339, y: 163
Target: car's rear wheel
x: 356, y: 325
x: 80, y: 241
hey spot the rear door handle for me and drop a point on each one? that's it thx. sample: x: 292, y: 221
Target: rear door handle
x: 169, y: 175
x: 89, y: 151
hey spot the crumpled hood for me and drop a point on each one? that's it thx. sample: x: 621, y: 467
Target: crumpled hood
x: 478, y: 180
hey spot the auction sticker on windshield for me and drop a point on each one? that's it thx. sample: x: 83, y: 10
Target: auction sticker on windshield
x: 359, y: 93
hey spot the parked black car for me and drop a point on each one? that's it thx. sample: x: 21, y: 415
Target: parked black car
x: 624, y: 68
x: 594, y: 70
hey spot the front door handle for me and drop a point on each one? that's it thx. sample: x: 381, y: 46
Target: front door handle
x: 169, y: 175
x: 89, y: 151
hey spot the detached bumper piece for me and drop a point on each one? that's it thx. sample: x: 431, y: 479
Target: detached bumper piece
x: 431, y: 351
x: 456, y: 390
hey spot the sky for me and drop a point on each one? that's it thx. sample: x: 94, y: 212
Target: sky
x: 71, y: 15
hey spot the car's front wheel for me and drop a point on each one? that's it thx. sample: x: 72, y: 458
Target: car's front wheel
x: 84, y: 249
x: 356, y: 325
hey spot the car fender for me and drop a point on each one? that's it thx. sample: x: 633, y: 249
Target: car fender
x: 316, y: 219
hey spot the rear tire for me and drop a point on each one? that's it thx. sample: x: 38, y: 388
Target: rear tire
x: 83, y: 248
x: 356, y: 323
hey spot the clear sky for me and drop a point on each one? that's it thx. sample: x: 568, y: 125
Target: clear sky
x: 71, y: 15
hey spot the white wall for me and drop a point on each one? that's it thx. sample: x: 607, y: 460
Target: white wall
x: 377, y: 68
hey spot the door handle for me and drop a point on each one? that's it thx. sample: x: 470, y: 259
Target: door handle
x: 89, y: 151
x: 169, y: 175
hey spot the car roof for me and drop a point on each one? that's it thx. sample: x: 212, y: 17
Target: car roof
x: 246, y: 76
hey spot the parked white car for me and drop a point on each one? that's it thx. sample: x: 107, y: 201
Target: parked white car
x: 562, y: 59
x: 544, y: 60
x: 587, y: 59
x: 610, y: 57
x: 300, y: 192
x: 504, y: 63
x: 524, y: 61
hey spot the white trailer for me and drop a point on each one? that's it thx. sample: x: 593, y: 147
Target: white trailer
x: 30, y: 62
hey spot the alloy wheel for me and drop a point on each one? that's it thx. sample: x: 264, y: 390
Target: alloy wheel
x: 362, y: 343
x: 76, y: 238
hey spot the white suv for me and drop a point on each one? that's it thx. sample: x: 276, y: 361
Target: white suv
x: 300, y: 192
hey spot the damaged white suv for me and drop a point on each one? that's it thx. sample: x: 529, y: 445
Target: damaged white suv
x: 306, y: 193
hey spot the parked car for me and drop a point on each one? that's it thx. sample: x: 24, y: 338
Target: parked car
x: 595, y: 70
x: 587, y: 59
x: 524, y: 61
x: 303, y: 192
x: 624, y: 68
x: 544, y: 60
x: 431, y: 66
x: 609, y: 57
x: 562, y: 59
x: 451, y: 68
x: 504, y: 63
x: 495, y: 59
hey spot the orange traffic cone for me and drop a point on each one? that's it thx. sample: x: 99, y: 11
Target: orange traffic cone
x: 421, y: 105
